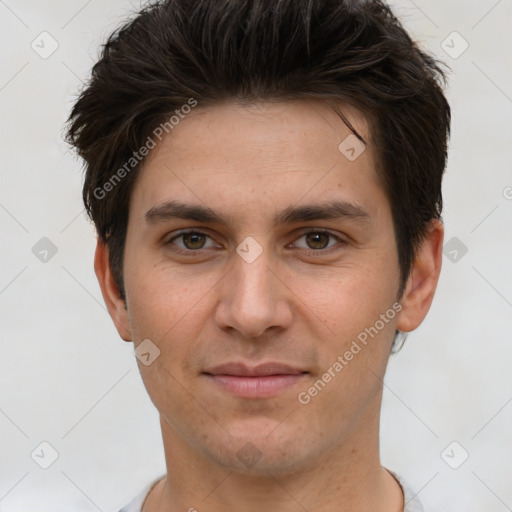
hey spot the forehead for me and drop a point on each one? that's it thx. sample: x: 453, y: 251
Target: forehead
x: 300, y: 129
x: 259, y: 156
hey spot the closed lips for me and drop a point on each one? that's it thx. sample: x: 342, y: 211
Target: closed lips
x: 243, y: 370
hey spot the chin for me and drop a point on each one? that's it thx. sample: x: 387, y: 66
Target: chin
x: 257, y: 449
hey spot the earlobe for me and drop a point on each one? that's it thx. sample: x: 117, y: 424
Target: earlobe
x: 423, y: 278
x: 115, y: 304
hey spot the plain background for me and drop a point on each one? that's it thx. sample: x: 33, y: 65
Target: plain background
x: 66, y: 378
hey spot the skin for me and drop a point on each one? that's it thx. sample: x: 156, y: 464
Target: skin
x: 301, y: 302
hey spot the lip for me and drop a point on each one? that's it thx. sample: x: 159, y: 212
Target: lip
x: 264, y: 380
x: 239, y: 369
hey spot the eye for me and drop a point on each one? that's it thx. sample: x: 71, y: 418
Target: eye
x: 313, y: 240
x: 318, y: 240
x: 191, y: 241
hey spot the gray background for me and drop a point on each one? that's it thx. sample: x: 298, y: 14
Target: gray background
x: 66, y: 378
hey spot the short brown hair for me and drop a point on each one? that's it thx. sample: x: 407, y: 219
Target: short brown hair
x: 351, y: 51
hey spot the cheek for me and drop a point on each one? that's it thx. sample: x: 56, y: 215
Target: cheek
x: 168, y: 307
x: 345, y: 299
x: 353, y: 311
x: 354, y: 351
x: 169, y: 311
x: 162, y: 298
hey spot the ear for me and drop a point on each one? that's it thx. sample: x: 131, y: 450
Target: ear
x: 110, y: 291
x: 423, y: 279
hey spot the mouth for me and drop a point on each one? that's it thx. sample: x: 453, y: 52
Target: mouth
x: 261, y: 381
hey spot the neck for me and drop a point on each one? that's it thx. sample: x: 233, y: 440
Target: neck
x: 348, y: 477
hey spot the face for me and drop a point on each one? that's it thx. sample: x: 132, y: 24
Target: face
x: 261, y: 262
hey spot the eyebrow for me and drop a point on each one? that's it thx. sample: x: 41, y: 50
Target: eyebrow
x: 331, y: 210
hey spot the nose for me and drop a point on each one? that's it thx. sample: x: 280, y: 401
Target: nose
x: 253, y: 298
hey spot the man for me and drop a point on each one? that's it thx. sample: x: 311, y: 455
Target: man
x: 265, y: 180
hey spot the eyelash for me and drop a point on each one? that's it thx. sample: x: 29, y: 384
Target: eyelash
x: 192, y: 252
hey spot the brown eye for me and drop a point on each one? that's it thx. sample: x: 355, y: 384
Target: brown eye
x: 315, y: 240
x: 193, y: 241
x: 318, y: 240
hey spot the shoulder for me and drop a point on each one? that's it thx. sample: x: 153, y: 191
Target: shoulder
x: 411, y: 501
x: 136, y: 504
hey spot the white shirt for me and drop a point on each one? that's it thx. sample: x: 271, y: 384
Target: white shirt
x: 412, y: 504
